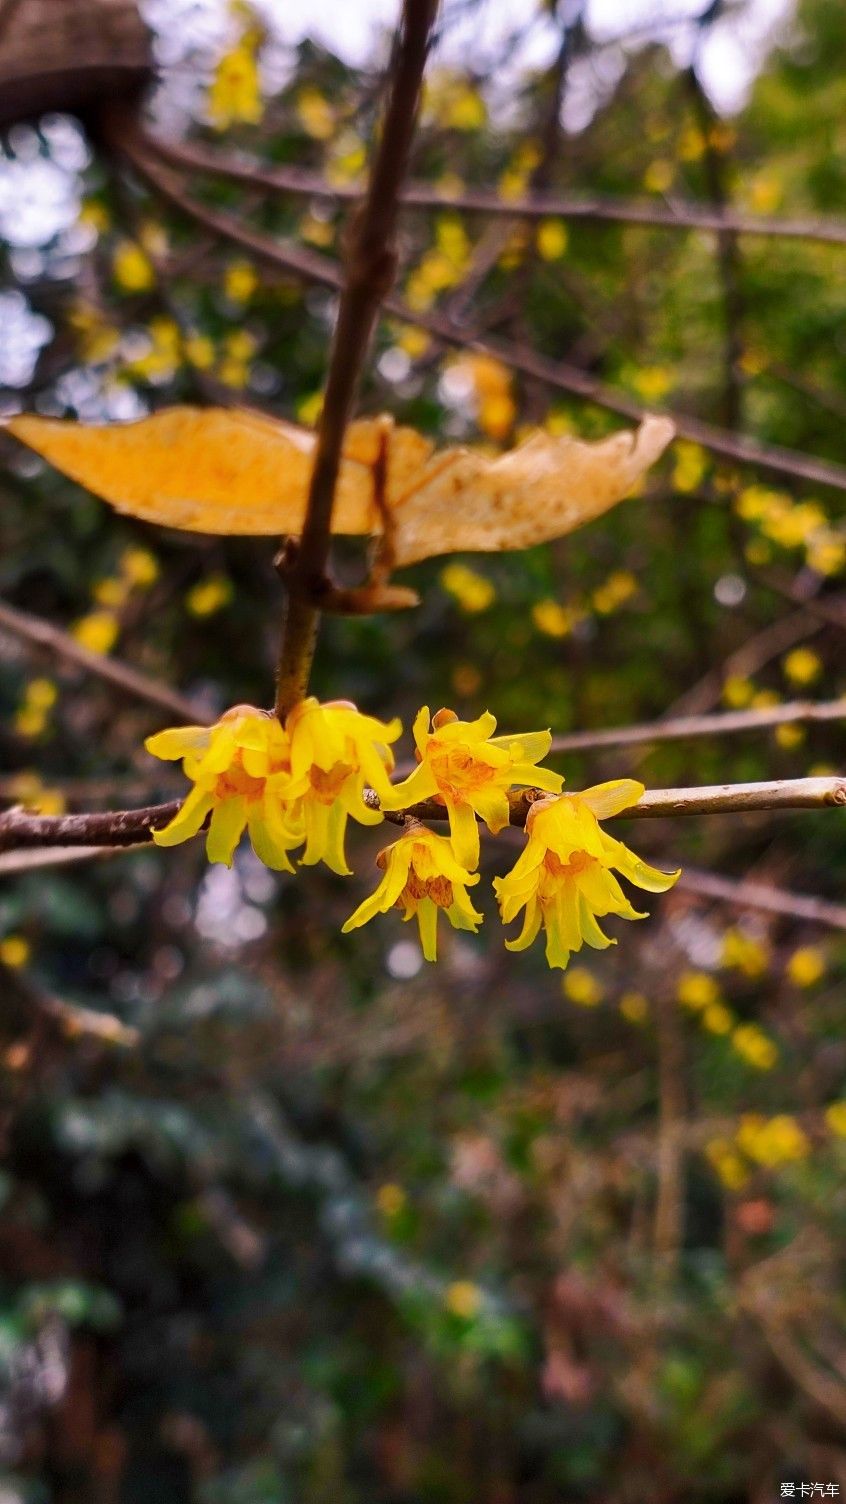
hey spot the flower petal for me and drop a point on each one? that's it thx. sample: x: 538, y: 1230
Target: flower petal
x: 177, y: 741
x: 187, y: 820
x: 427, y: 920
x: 464, y: 832
x: 227, y: 827
x: 607, y: 799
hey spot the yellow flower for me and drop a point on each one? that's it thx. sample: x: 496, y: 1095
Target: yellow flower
x: 391, y: 1199
x: 470, y: 770
x: 717, y: 1018
x: 472, y: 590
x: 634, y: 1007
x: 581, y: 986
x: 742, y: 952
x: 772, y: 1141
x: 727, y: 1163
x: 835, y: 1117
x: 97, y: 631
x: 240, y: 769
x: 463, y: 1299
x: 551, y: 239
x: 753, y: 1046
x: 565, y: 876
x: 806, y: 966
x: 738, y: 691
x: 335, y: 752
x: 14, y: 951
x: 234, y: 93
x: 555, y: 620
x: 696, y: 989
x: 209, y: 595
x: 422, y: 876
x: 240, y: 281
x: 132, y: 268
x: 139, y: 566
x: 802, y: 666
x: 316, y: 114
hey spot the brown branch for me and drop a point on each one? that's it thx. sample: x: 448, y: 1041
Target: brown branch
x: 128, y: 827
x: 370, y: 271
x: 313, y: 267
x: 720, y: 724
x: 744, y: 894
x: 672, y: 214
x: 42, y: 634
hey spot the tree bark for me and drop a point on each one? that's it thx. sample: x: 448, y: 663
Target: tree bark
x: 69, y: 55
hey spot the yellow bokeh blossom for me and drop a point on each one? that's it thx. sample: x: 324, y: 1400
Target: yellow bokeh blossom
x: 634, y: 1007
x: 132, y: 267
x: 802, y: 666
x: 97, y: 631
x: 470, y: 770
x: 755, y: 1047
x: 316, y: 114
x: 551, y: 239
x: 565, y: 877
x: 696, y: 989
x: 422, y: 877
x: 239, y: 768
x: 738, y: 691
x: 727, y: 1163
x: 772, y: 1141
x: 473, y: 591
x: 391, y: 1199
x: 463, y: 1298
x: 234, y: 95
x: 335, y: 752
x: 742, y: 952
x: 209, y: 595
x: 806, y: 966
x: 835, y: 1117
x: 139, y: 567
x: 581, y: 986
x: 14, y: 951
x: 240, y: 281
x: 717, y: 1018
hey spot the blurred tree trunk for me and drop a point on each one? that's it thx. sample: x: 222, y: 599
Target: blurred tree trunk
x: 69, y: 55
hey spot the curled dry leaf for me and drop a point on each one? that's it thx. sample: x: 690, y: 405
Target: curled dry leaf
x: 218, y: 470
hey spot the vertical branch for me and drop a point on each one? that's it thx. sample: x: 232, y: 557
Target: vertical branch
x: 370, y: 269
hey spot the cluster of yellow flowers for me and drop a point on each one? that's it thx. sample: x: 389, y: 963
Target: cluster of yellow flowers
x: 442, y: 265
x: 558, y: 619
x: 700, y: 993
x: 296, y: 786
x: 97, y: 631
x: 791, y: 524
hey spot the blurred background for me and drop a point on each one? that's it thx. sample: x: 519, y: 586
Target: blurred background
x: 289, y: 1216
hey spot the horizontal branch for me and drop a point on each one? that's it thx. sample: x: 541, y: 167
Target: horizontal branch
x: 671, y: 214
x: 719, y: 724
x: 296, y: 261
x: 745, y: 894
x: 128, y: 827
x: 42, y: 634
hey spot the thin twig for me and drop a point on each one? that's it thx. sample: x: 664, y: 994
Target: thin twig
x: 671, y: 214
x: 744, y: 894
x: 720, y: 724
x: 42, y: 634
x: 312, y: 267
x: 370, y: 271
x: 128, y: 827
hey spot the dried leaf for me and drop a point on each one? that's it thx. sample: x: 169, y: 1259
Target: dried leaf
x: 222, y: 471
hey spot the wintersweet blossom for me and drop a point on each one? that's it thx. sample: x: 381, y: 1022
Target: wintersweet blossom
x: 564, y: 878
x: 240, y: 769
x: 422, y: 877
x: 470, y: 771
x: 335, y: 753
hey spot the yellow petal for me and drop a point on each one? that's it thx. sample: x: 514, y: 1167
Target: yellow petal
x: 177, y: 741
x: 464, y: 832
x: 226, y: 828
x: 187, y: 820
x: 427, y: 920
x: 607, y: 799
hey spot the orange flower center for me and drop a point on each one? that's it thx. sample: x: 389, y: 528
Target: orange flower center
x: 457, y: 771
x: 578, y: 862
x: 328, y: 783
x: 439, y: 889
